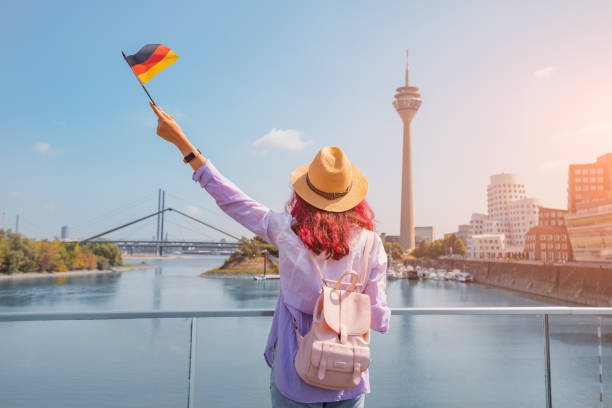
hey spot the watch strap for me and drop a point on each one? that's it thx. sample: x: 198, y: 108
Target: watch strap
x: 191, y: 156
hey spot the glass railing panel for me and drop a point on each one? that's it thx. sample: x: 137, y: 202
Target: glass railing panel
x: 574, y: 355
x: 230, y: 367
x: 441, y: 361
x: 459, y: 361
x: 105, y: 363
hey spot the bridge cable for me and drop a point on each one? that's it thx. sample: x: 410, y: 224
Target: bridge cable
x: 125, y: 225
x: 153, y: 215
x: 203, y: 223
x: 185, y: 228
x: 216, y: 211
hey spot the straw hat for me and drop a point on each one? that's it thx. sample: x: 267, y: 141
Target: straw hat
x: 330, y: 181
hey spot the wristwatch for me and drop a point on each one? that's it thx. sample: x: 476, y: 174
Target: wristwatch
x: 191, y: 156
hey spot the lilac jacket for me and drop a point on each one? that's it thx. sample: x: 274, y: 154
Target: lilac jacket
x: 300, y: 284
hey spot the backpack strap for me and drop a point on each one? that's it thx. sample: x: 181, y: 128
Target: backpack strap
x: 364, y: 267
x: 366, y: 257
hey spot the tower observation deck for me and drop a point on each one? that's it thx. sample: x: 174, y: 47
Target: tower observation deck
x: 407, y: 102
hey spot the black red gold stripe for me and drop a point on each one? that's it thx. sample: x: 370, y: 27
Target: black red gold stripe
x: 150, y: 60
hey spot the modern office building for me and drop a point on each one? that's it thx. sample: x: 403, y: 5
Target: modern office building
x: 463, y: 232
x: 479, y: 223
x: 64, y: 232
x: 407, y: 101
x: 488, y: 246
x: 510, y: 213
x: 502, y: 190
x: 589, y: 183
x: 523, y: 215
x: 590, y: 233
x: 389, y: 238
x: 509, y: 206
x: 423, y: 234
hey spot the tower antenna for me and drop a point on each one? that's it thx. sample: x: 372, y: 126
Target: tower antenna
x: 407, y: 70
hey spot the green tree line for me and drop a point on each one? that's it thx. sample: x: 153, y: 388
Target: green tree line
x: 19, y: 254
x: 450, y: 245
x: 394, y: 249
x: 250, y: 248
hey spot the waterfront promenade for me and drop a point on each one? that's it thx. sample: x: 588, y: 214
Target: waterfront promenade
x: 578, y: 283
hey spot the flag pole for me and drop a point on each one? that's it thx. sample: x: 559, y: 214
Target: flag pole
x: 141, y: 84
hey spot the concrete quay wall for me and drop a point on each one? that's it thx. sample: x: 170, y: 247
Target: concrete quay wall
x: 585, y: 285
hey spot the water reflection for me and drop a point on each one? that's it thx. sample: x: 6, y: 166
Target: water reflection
x: 45, y: 292
x: 245, y: 290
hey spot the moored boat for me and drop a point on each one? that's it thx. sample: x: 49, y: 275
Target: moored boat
x: 266, y: 277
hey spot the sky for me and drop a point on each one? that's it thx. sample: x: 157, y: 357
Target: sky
x: 516, y: 87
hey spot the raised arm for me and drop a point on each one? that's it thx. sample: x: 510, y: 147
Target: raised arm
x: 254, y: 216
x: 169, y: 130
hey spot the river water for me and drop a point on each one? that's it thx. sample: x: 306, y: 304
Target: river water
x: 423, y: 361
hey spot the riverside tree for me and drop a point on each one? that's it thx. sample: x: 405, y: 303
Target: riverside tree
x: 394, y: 249
x: 19, y: 254
x: 450, y: 245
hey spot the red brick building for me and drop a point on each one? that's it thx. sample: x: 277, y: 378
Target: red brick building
x: 548, y: 243
x: 551, y: 217
x: 589, y: 184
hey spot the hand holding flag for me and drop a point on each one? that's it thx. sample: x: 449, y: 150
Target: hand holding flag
x: 167, y: 127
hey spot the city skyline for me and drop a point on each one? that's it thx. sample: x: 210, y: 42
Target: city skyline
x: 499, y: 99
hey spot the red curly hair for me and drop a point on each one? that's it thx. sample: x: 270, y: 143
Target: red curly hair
x: 326, y: 231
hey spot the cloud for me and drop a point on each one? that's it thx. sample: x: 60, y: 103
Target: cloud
x: 15, y: 194
x: 45, y: 149
x: 289, y: 139
x: 545, y: 72
x: 193, y: 211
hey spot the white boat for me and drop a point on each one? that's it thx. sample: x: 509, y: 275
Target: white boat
x: 463, y: 277
x: 266, y: 277
x: 433, y: 274
x: 450, y: 275
x: 393, y: 274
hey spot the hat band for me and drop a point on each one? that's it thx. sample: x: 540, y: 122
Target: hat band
x: 329, y: 196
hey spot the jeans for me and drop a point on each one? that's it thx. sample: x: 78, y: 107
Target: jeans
x: 280, y: 401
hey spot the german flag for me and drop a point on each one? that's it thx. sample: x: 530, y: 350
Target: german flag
x: 150, y: 60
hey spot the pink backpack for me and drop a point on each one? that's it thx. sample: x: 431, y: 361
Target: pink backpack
x: 335, y: 351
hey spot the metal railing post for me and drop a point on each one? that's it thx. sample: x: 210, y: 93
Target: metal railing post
x: 547, y: 358
x: 192, y: 353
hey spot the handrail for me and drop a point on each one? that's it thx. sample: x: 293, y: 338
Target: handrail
x: 544, y: 312
x: 155, y: 314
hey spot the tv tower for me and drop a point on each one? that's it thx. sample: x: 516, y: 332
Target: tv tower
x: 407, y: 102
